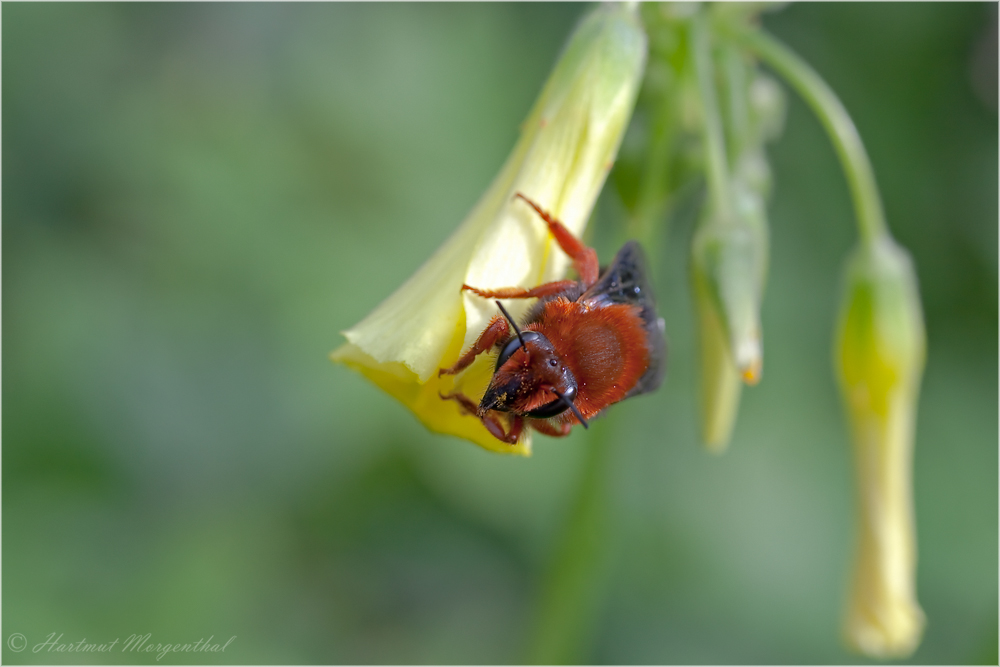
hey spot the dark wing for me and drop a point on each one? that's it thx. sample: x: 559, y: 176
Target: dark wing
x: 626, y: 281
x: 535, y: 312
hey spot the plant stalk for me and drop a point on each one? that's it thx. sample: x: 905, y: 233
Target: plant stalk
x: 837, y: 122
x: 715, y: 141
x: 571, y: 592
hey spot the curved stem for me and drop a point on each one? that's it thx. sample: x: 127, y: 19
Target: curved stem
x: 715, y: 142
x: 736, y: 99
x: 835, y: 119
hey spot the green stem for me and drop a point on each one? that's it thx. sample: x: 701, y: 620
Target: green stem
x: 571, y: 592
x: 715, y: 143
x: 736, y: 93
x: 654, y: 181
x: 834, y: 117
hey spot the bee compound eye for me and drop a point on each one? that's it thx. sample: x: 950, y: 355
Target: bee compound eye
x: 514, y: 344
x: 558, y: 406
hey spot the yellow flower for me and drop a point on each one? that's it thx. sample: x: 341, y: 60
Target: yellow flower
x: 567, y: 145
x: 880, y: 359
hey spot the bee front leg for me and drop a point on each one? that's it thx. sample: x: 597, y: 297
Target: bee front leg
x: 494, y: 426
x: 494, y: 332
x: 467, y: 405
x: 490, y: 420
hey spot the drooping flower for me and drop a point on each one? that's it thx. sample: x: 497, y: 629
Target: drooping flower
x: 880, y: 359
x: 567, y: 145
x: 729, y: 253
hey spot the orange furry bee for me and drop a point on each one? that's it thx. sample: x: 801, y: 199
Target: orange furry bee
x: 585, y: 345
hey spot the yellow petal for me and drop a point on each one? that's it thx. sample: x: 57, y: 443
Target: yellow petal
x: 571, y: 139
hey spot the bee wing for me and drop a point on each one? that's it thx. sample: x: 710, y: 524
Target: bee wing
x: 626, y: 280
x: 535, y: 312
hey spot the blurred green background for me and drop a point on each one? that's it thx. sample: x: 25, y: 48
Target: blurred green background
x: 197, y: 198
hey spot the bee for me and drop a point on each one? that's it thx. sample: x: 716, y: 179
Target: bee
x: 585, y: 345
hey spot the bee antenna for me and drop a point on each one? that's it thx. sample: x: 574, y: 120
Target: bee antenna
x: 572, y: 406
x: 513, y: 324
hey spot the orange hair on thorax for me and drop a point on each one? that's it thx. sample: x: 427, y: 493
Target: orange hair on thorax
x: 604, y: 347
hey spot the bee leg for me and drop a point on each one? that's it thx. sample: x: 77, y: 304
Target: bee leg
x: 494, y: 332
x: 490, y: 421
x: 548, y: 428
x: 464, y: 402
x: 584, y: 258
x: 546, y: 289
x: 494, y: 426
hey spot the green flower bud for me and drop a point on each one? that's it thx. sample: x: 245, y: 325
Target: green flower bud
x: 879, y: 361
x: 719, y: 381
x: 730, y: 245
x: 729, y: 266
x: 730, y: 260
x: 567, y: 145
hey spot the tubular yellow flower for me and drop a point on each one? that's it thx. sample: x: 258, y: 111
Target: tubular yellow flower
x: 567, y: 145
x: 880, y: 359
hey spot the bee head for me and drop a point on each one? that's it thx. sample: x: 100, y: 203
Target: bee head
x: 530, y: 378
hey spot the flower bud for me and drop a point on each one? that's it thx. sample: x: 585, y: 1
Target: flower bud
x: 879, y: 361
x: 728, y: 258
x: 729, y: 267
x: 567, y: 145
x: 719, y: 381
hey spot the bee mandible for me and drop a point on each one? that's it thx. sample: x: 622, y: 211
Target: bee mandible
x: 586, y: 344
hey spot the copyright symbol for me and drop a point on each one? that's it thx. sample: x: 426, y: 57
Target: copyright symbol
x: 16, y: 642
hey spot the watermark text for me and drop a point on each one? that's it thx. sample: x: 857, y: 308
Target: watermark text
x: 134, y: 643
